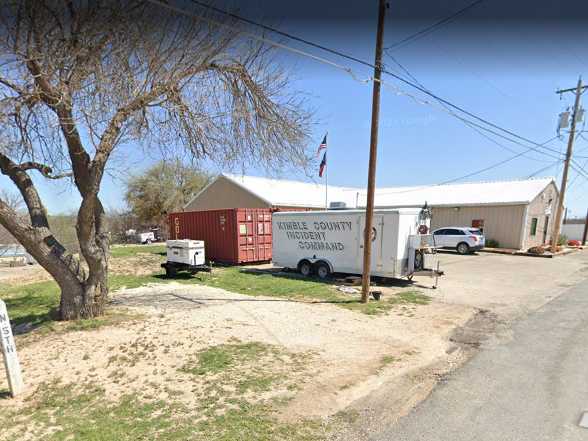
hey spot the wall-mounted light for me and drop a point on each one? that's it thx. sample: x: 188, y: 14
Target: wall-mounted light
x: 455, y: 208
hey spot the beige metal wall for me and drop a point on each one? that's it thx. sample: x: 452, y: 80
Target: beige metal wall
x: 541, y: 208
x: 223, y: 193
x: 501, y: 222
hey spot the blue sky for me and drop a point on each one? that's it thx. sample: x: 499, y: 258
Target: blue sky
x: 501, y: 67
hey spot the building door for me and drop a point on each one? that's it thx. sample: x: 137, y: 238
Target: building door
x: 545, y: 229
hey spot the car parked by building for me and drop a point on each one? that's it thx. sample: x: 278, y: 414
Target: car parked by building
x: 462, y: 239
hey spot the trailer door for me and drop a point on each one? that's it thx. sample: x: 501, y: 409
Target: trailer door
x: 377, y: 241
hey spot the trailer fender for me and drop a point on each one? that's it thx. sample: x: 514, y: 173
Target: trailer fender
x: 316, y: 262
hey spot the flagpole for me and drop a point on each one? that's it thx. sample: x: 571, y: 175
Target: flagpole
x: 327, y: 178
x: 327, y: 188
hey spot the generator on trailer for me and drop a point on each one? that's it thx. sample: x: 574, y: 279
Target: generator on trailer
x: 326, y: 242
x: 185, y: 255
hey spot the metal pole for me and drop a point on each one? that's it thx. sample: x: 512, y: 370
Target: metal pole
x: 326, y: 183
x: 369, y: 209
x: 585, y: 230
x: 564, y: 178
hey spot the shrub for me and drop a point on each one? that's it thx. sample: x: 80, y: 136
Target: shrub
x: 492, y: 243
x: 562, y: 239
x: 536, y: 250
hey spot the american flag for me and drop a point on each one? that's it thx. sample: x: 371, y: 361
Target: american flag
x: 322, y: 146
x: 323, y: 165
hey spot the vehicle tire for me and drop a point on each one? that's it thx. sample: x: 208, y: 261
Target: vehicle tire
x: 305, y: 268
x: 148, y: 242
x: 463, y: 248
x: 323, y: 271
x: 170, y: 271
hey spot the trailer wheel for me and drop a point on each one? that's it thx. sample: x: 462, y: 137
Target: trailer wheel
x: 305, y: 268
x: 323, y: 271
x: 170, y: 271
x: 148, y: 242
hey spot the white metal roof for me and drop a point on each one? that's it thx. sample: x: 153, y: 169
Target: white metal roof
x: 279, y: 192
x: 473, y: 193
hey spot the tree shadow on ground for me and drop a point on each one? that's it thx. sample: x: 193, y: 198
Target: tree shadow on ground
x: 336, y: 279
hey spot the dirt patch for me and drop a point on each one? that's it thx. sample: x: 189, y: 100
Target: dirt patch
x: 142, y: 264
x: 399, y: 394
x: 476, y: 331
x: 23, y: 274
x: 352, y: 354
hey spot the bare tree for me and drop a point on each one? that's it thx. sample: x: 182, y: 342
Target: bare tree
x: 12, y: 199
x: 83, y: 80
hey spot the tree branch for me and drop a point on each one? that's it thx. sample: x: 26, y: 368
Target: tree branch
x: 23, y: 182
x: 45, y: 170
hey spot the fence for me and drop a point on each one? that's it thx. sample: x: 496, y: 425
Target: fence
x: 14, y: 252
x: 573, y: 231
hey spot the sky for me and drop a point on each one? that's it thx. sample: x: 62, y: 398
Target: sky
x: 501, y: 60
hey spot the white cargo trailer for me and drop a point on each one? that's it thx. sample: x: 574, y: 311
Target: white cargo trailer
x: 324, y: 242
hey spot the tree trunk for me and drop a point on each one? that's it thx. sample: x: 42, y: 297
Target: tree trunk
x: 83, y: 300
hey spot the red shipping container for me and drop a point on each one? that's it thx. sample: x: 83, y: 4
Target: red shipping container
x: 236, y: 235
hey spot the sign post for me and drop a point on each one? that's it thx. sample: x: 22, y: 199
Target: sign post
x: 9, y: 353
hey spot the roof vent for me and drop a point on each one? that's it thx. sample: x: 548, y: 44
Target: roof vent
x: 337, y: 205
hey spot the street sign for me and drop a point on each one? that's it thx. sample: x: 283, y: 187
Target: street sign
x: 8, y: 348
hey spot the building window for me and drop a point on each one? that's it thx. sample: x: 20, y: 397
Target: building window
x: 479, y: 224
x: 533, y: 226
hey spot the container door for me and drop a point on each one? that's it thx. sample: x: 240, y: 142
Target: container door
x: 263, y: 235
x: 246, y: 236
x: 377, y: 241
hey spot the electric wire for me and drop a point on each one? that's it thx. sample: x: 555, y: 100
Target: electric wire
x: 343, y: 55
x: 477, y: 172
x: 541, y: 170
x: 469, y: 124
x: 353, y: 75
x: 429, y: 29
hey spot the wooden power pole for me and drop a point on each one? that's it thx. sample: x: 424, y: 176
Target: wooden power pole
x: 369, y: 208
x: 564, y: 179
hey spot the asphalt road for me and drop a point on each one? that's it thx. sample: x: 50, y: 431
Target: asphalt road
x: 532, y: 388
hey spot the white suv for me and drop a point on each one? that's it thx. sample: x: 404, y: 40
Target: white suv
x: 463, y: 239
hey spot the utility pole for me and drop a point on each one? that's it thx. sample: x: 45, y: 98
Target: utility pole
x: 564, y: 179
x: 369, y: 208
x: 585, y: 230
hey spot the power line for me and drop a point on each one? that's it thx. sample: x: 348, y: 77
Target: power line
x: 343, y: 55
x: 469, y: 175
x: 535, y: 173
x: 433, y: 27
x: 471, y: 125
x: 350, y: 71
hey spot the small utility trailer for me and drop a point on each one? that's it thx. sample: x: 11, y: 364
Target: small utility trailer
x: 185, y: 255
x: 326, y: 242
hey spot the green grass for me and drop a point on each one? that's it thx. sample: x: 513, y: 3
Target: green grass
x: 219, y: 358
x: 235, y: 393
x: 294, y: 287
x: 133, y: 250
x: 37, y: 303
x: 59, y: 413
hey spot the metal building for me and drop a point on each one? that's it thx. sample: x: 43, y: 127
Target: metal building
x: 517, y: 214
